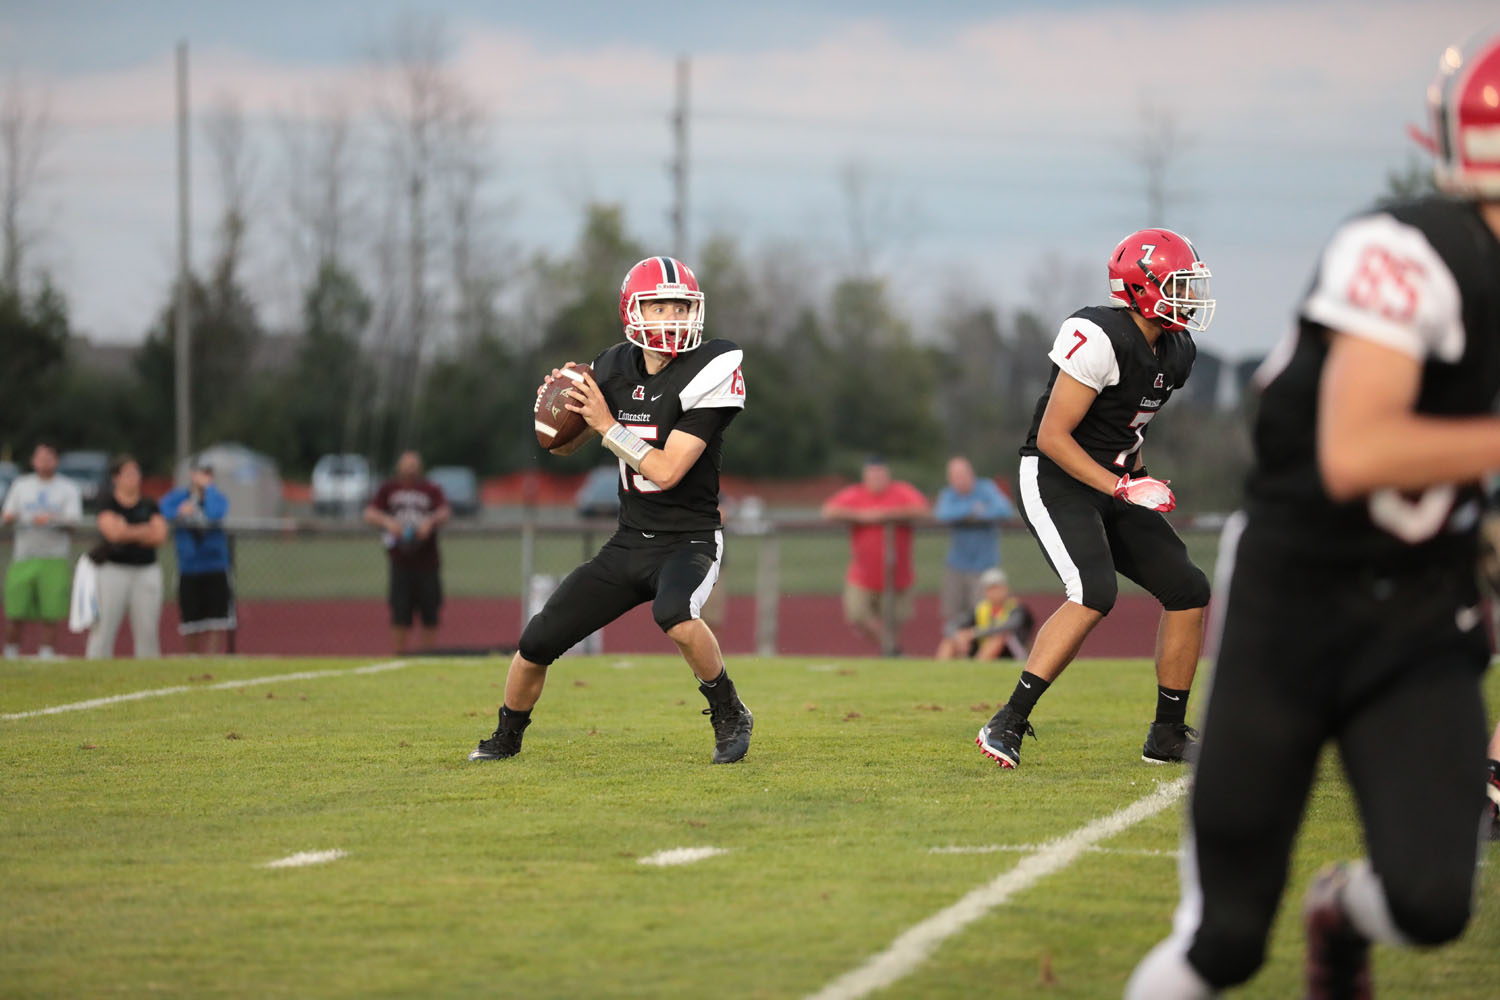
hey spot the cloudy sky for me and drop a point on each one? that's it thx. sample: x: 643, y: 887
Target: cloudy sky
x: 997, y: 140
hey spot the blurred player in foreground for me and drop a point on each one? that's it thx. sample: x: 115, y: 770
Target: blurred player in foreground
x: 661, y: 403
x: 1352, y: 612
x: 1085, y: 492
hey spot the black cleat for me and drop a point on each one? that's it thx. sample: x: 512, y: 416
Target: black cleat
x: 504, y: 742
x: 1000, y: 739
x: 1170, y: 743
x: 732, y: 723
x: 1338, y: 956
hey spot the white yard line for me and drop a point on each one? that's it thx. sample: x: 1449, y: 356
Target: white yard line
x: 916, y: 945
x: 304, y: 858
x: 115, y: 699
x: 682, y: 856
x: 1140, y: 852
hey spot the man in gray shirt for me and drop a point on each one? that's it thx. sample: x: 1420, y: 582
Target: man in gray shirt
x: 43, y: 507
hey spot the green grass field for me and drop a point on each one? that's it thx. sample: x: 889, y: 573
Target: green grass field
x: 134, y: 835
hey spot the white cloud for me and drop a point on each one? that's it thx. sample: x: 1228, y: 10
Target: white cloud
x: 1013, y: 125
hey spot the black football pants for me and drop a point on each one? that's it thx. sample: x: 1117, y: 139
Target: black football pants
x: 675, y: 570
x: 1379, y: 665
x: 1087, y: 536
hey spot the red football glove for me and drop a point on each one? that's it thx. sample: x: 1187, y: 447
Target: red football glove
x: 1146, y: 492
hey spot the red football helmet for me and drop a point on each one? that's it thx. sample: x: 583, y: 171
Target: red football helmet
x: 1464, y: 102
x: 1157, y: 273
x: 661, y: 278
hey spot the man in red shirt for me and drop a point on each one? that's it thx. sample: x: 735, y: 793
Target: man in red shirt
x: 408, y: 509
x: 877, y: 585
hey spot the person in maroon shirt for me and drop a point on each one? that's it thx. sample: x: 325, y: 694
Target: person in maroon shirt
x: 408, y: 508
x: 869, y: 506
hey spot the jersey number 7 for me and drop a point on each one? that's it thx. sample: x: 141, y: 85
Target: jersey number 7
x: 1142, y: 418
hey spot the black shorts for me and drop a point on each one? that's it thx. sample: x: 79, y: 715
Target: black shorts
x: 676, y: 571
x: 1388, y: 668
x: 419, y: 590
x: 1088, y: 536
x: 205, y: 603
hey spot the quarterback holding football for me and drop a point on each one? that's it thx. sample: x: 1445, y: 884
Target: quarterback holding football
x: 660, y: 402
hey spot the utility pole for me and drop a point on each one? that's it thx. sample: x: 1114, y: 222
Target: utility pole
x: 183, y: 324
x: 679, y: 167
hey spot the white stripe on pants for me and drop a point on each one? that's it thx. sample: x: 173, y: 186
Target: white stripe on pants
x: 122, y: 588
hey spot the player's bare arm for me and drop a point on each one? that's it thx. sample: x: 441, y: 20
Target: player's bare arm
x: 1069, y: 402
x: 667, y: 465
x: 1370, y: 438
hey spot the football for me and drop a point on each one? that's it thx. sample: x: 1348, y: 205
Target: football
x: 556, y: 425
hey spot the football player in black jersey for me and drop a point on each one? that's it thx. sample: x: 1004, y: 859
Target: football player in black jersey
x: 1085, y: 492
x: 1351, y: 614
x: 661, y: 403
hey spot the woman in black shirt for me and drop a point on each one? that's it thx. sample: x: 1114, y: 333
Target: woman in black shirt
x: 129, y: 578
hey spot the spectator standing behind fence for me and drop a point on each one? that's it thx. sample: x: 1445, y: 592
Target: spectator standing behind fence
x: 205, y: 597
x: 129, y: 576
x: 408, y: 509
x: 42, y: 506
x: 869, y: 506
x: 970, y: 507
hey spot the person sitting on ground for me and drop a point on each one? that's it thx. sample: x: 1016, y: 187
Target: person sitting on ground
x: 998, y: 626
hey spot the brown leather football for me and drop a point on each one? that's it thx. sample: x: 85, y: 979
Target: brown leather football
x: 556, y: 425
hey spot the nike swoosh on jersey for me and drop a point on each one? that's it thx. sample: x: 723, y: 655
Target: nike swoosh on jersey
x: 656, y: 397
x: 648, y: 534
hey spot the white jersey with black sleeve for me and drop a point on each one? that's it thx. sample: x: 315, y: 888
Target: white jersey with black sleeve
x: 1421, y: 277
x: 700, y: 393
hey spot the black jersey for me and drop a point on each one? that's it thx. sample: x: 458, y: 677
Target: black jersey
x: 1102, y: 347
x: 699, y: 392
x: 1422, y: 277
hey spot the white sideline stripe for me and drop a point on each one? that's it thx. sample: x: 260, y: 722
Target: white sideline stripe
x: 916, y: 944
x: 115, y: 699
x: 1142, y: 852
x: 304, y: 858
x: 682, y: 856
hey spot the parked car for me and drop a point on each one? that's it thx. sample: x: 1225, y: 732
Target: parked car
x: 599, y: 496
x: 460, y: 486
x: 341, y: 485
x: 8, y: 473
x: 90, y: 470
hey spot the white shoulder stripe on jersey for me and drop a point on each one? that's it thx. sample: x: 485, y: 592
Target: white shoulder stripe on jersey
x: 1381, y: 279
x: 712, y: 386
x: 1084, y: 351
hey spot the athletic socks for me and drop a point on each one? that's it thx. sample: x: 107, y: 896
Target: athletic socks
x: 1363, y: 900
x: 508, y: 714
x: 720, y: 690
x: 1171, y: 704
x: 1028, y: 689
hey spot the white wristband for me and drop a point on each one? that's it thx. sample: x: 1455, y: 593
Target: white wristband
x: 627, y: 444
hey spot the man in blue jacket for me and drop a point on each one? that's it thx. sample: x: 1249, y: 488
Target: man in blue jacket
x: 204, y: 596
x: 970, y: 507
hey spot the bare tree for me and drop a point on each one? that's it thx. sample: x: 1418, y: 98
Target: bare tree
x: 873, y: 220
x: 319, y: 152
x: 1157, y: 146
x: 434, y: 134
x: 25, y: 132
x: 235, y: 166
